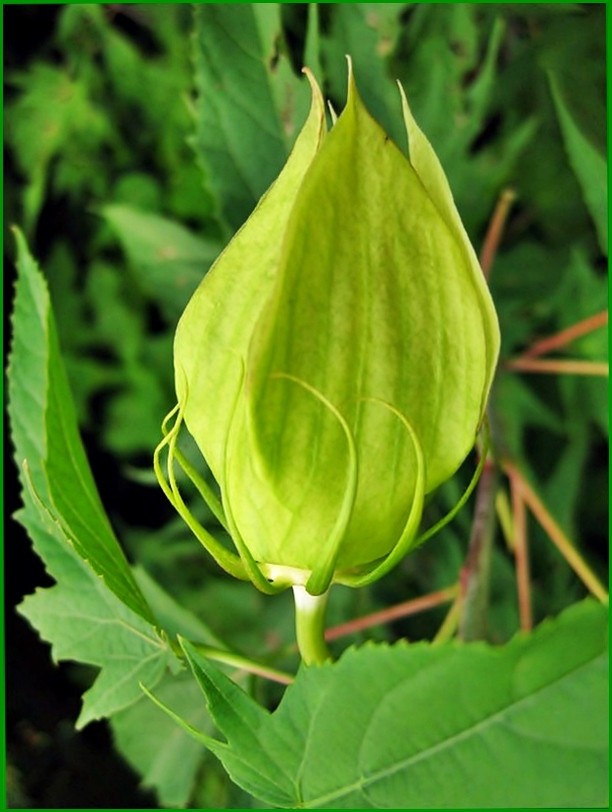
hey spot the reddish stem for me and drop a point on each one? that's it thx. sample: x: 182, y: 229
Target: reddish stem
x: 400, y: 610
x: 521, y: 553
x: 474, y: 575
x: 559, y: 366
x: 556, y: 535
x: 560, y: 339
x: 495, y: 230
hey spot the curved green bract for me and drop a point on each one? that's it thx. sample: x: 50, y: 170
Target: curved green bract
x: 203, y: 488
x: 406, y: 539
x: 323, y: 571
x: 230, y: 562
x: 483, y: 452
x: 254, y: 572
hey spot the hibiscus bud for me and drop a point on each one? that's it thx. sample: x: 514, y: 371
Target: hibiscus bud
x: 334, y: 365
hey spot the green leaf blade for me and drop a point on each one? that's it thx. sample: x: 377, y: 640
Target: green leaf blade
x: 242, y: 720
x: 588, y: 163
x: 169, y: 261
x: 168, y: 758
x: 46, y: 437
x: 85, y: 622
x: 455, y: 726
x: 248, y: 95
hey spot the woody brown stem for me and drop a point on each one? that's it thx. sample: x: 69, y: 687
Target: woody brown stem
x: 474, y: 577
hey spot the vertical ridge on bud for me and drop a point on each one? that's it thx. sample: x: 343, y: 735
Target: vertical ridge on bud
x: 214, y: 331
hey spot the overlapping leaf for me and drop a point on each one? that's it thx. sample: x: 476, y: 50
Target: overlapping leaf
x: 430, y: 727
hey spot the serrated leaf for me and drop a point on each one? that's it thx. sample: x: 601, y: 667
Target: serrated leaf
x: 173, y: 617
x: 422, y: 726
x: 46, y: 438
x: 80, y: 616
x: 168, y: 259
x: 249, y: 104
x: 85, y: 622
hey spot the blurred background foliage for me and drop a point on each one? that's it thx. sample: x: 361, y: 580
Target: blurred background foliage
x: 137, y: 140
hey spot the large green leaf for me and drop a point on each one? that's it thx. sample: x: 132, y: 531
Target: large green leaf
x: 80, y: 616
x: 422, y: 726
x: 46, y: 439
x: 250, y: 103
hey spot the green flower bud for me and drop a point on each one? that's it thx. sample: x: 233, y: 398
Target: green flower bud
x: 334, y: 365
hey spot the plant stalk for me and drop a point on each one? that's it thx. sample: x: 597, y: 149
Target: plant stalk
x: 399, y: 610
x: 496, y: 230
x: 476, y: 571
x: 564, y: 337
x: 557, y: 536
x: 521, y: 555
x: 245, y: 664
x: 310, y: 625
x: 559, y: 366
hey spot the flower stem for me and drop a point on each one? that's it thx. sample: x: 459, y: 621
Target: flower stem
x: 310, y: 625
